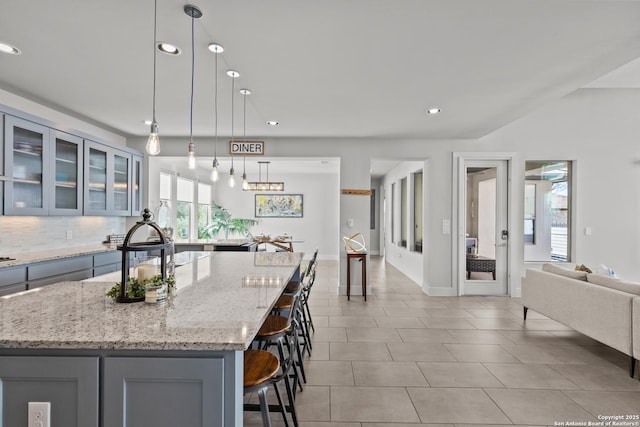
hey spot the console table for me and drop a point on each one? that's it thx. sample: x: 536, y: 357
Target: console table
x: 362, y: 257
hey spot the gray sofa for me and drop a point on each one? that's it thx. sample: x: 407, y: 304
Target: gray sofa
x: 601, y: 307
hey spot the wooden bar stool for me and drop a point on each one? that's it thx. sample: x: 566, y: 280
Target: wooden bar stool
x: 361, y: 257
x: 291, y: 304
x: 260, y: 369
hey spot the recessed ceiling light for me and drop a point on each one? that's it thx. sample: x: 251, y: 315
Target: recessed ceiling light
x: 7, y: 48
x: 433, y: 110
x: 216, y: 48
x: 272, y: 123
x: 168, y: 48
x: 147, y: 122
x: 233, y: 73
x: 245, y: 92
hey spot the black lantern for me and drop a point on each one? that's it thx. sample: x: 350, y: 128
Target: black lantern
x: 138, y: 243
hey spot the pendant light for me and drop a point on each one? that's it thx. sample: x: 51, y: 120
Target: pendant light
x: 153, y: 143
x: 194, y: 13
x: 234, y: 75
x: 245, y: 93
x: 267, y: 185
x: 215, y: 175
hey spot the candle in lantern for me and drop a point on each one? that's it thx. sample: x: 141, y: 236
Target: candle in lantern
x: 147, y: 271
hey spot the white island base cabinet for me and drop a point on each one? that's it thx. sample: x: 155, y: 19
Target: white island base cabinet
x: 123, y: 391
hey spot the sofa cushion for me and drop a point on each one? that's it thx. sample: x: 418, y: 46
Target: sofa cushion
x: 614, y: 283
x: 573, y: 274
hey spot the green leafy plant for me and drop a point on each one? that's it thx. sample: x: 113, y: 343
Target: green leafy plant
x: 136, y: 289
x: 223, y: 221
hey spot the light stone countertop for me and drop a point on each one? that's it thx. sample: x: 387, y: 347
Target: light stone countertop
x: 53, y: 254
x: 221, y: 302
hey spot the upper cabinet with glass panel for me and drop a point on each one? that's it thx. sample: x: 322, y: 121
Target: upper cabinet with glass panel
x: 49, y: 172
x: 66, y: 163
x: 108, y: 189
x: 547, y: 211
x: 26, y: 151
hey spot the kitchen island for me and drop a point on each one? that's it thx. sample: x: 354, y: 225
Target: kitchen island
x: 100, y: 363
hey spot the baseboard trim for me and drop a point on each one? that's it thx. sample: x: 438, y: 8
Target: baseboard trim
x: 439, y: 291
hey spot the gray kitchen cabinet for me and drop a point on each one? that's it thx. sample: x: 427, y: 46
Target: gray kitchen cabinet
x: 27, y: 165
x: 67, y: 269
x: 70, y: 384
x: 163, y: 392
x: 107, y: 262
x: 13, y: 279
x: 107, y: 189
x: 67, y: 166
x: 76, y: 268
x: 44, y: 171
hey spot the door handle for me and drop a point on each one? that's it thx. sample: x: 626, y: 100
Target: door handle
x: 504, y: 235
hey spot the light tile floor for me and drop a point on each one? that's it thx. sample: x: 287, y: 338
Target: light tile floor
x: 404, y: 359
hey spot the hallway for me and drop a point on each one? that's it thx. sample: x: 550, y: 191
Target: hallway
x: 403, y: 357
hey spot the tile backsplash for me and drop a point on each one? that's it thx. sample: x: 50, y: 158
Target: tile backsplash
x: 20, y: 234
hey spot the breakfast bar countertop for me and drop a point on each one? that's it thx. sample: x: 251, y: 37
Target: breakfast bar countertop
x: 221, y: 301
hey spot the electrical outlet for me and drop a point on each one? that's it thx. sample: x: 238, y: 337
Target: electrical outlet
x: 39, y: 414
x: 69, y: 234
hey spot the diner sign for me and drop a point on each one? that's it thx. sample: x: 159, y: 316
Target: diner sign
x: 246, y: 148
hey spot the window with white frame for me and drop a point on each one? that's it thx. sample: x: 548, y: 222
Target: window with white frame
x: 184, y: 208
x: 547, y: 211
x: 204, y: 209
x: 165, y: 187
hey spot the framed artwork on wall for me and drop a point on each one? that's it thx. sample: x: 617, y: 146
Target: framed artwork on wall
x: 278, y: 205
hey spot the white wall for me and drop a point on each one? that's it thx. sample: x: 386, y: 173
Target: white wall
x: 319, y: 223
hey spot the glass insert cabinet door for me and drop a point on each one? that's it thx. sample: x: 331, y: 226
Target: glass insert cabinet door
x: 107, y: 180
x: 121, y: 194
x: 26, y: 165
x: 67, y: 168
x: 97, y: 180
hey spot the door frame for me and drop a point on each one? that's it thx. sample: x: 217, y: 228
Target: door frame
x: 458, y: 264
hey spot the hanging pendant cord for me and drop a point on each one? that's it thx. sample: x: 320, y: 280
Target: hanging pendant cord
x: 215, y: 109
x: 244, y: 130
x: 233, y: 90
x: 192, y: 78
x: 155, y: 23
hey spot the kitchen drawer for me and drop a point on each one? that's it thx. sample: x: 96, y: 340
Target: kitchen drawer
x: 69, y: 277
x: 99, y: 271
x: 55, y: 268
x: 13, y: 275
x: 107, y: 258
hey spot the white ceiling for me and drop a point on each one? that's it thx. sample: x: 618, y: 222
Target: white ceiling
x: 331, y: 68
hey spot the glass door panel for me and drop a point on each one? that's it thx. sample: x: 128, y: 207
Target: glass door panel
x: 121, y: 183
x: 66, y: 168
x: 486, y: 231
x: 27, y: 168
x: 27, y: 165
x: 97, y: 180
